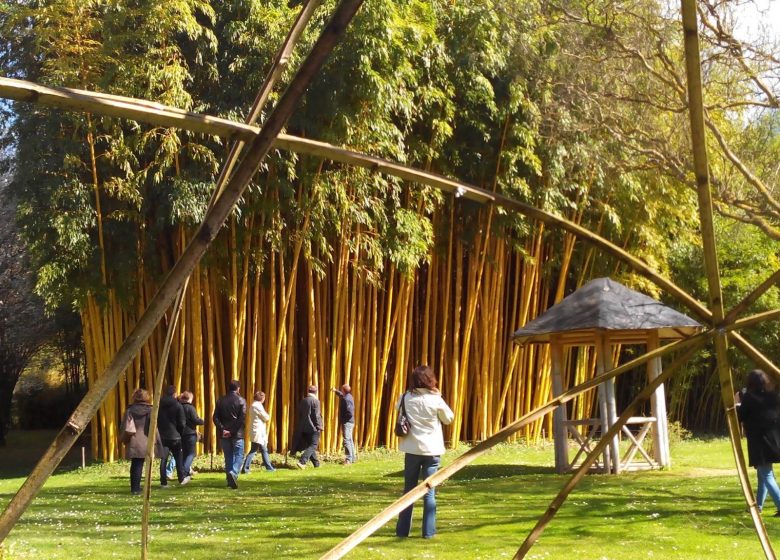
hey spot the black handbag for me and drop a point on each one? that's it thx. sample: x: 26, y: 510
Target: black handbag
x: 402, y: 424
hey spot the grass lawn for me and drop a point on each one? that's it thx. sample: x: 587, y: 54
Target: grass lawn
x: 692, y: 511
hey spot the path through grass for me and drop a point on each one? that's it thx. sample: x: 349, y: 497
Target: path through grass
x: 692, y: 511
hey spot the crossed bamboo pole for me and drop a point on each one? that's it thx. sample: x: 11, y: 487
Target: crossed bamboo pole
x: 701, y: 169
x: 215, y: 218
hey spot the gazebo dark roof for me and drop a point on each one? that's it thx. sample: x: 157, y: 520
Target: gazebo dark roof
x: 604, y: 304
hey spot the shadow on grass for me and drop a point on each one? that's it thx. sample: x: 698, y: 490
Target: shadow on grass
x: 486, y: 472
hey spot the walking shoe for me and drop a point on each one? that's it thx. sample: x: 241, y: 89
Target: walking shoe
x: 164, y: 486
x: 136, y: 492
x: 300, y: 466
x: 232, y: 480
x: 185, y: 480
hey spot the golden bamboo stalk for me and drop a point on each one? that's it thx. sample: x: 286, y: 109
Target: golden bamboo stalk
x: 696, y: 113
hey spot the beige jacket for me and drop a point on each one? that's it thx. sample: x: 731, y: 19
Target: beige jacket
x: 426, y: 411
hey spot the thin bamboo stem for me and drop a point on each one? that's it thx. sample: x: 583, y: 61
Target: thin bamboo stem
x: 152, y: 437
x: 698, y: 137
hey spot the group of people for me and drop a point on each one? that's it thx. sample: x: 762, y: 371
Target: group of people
x: 177, y: 435
x: 423, y: 444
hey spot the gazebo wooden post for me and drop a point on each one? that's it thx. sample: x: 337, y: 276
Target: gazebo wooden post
x: 658, y: 406
x: 607, y: 404
x: 560, y: 434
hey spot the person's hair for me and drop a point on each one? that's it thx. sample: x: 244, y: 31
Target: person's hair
x: 423, y: 378
x: 170, y: 390
x: 186, y: 396
x: 141, y: 396
x: 311, y: 389
x: 346, y: 389
x: 758, y: 382
x: 234, y: 385
x: 259, y: 396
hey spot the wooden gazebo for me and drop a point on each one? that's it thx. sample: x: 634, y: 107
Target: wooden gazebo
x: 603, y: 314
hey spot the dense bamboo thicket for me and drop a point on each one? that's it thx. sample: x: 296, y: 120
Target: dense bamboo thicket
x: 277, y: 324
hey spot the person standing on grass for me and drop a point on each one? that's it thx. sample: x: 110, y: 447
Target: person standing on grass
x: 171, y: 422
x: 309, y: 427
x: 347, y: 421
x: 258, y: 434
x: 423, y: 445
x: 136, y: 440
x: 229, y: 415
x: 189, y: 437
x: 758, y: 408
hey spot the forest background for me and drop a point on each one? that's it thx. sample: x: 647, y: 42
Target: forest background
x: 328, y: 274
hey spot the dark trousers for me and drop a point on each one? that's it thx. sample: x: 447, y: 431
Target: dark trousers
x: 188, y: 443
x: 136, y: 473
x: 310, y: 442
x: 172, y: 446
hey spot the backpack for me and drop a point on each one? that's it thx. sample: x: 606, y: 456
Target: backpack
x: 128, y: 429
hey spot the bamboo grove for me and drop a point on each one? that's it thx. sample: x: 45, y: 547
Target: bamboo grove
x: 327, y: 274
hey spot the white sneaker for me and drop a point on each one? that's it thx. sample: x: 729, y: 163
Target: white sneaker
x: 185, y: 480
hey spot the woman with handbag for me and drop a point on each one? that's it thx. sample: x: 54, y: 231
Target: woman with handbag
x: 758, y: 408
x: 134, y: 433
x: 423, y: 410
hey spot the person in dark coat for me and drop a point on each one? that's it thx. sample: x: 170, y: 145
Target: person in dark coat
x: 758, y: 409
x: 136, y: 441
x: 189, y: 437
x: 347, y: 421
x: 171, y: 422
x: 229, y: 415
x: 309, y: 427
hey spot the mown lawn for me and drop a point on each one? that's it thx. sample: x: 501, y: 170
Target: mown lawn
x: 691, y: 511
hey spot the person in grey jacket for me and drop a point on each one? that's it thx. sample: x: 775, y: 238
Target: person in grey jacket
x: 135, y: 442
x: 171, y: 422
x: 309, y: 427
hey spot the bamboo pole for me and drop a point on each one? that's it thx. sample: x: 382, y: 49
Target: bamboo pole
x: 152, y: 438
x: 601, y: 447
x: 483, y: 447
x: 180, y: 272
x: 698, y: 138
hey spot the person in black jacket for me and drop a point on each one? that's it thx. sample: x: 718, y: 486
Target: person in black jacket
x: 309, y: 426
x: 758, y: 408
x: 347, y: 421
x: 189, y: 437
x: 170, y: 422
x: 229, y: 417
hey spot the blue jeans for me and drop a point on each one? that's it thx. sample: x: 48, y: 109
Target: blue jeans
x: 233, y: 450
x: 767, y: 483
x: 251, y: 455
x: 188, y: 443
x: 349, y: 444
x: 414, y: 466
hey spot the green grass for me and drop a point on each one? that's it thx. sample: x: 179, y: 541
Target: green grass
x: 691, y: 511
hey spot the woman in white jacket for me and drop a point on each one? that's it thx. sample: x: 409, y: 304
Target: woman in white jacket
x: 423, y: 445
x: 258, y: 434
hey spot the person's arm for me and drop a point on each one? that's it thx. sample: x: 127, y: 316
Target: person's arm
x: 181, y: 419
x: 197, y: 420
x: 317, y: 417
x: 215, y: 418
x: 350, y: 407
x: 264, y: 416
x: 446, y: 416
x: 339, y: 393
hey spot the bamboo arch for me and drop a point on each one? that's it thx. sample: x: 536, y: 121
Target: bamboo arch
x: 260, y: 140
